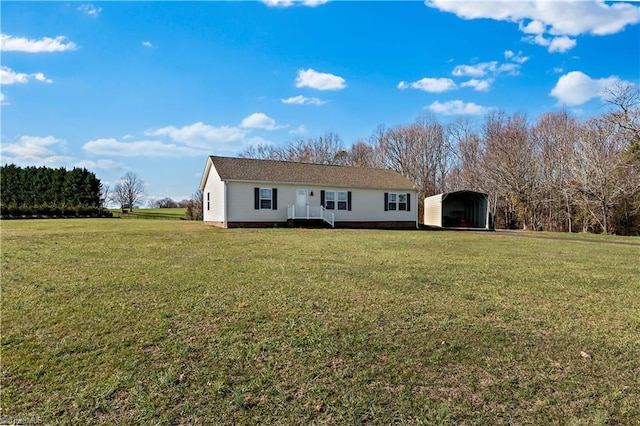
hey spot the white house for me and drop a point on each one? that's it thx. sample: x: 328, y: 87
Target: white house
x: 243, y: 192
x: 457, y: 210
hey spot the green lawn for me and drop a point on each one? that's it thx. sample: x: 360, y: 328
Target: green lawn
x: 170, y: 322
x: 169, y: 213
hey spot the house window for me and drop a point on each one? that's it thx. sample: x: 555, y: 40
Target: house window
x: 265, y: 198
x: 330, y: 200
x: 342, y: 200
x: 393, y: 204
x: 402, y: 202
x: 397, y: 201
x: 208, y: 201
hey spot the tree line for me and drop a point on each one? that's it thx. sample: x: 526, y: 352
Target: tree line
x: 49, y: 192
x: 556, y: 173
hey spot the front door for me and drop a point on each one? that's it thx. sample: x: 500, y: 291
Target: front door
x: 301, y: 202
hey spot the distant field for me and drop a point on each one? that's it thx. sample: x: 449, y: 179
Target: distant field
x: 171, y: 322
x: 177, y: 213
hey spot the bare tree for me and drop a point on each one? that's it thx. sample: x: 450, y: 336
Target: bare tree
x: 325, y: 149
x: 553, y: 137
x: 511, y: 168
x: 626, y: 98
x: 260, y: 152
x: 418, y: 151
x: 468, y: 150
x: 104, y: 195
x: 195, y: 206
x: 362, y: 154
x: 129, y: 191
x: 604, y: 176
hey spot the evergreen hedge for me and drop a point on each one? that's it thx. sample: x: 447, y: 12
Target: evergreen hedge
x: 47, y: 192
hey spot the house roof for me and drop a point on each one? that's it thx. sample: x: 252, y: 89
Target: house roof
x: 248, y: 169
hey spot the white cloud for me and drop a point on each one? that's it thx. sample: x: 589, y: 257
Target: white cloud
x: 457, y: 108
x: 45, y: 151
x: 31, y: 146
x: 147, y: 44
x: 201, y: 135
x: 478, y: 70
x: 483, y: 68
x: 314, y: 3
x: 478, y: 85
x: 554, y: 44
x: 319, y: 80
x: 289, y: 3
x: 139, y: 149
x: 44, y: 45
x: 259, y: 120
x: 515, y: 57
x: 561, y: 44
x: 533, y: 27
x: 302, y: 100
x: 90, y: 10
x: 34, y: 151
x: 194, y: 139
x: 510, y: 68
x: 40, y: 77
x: 100, y: 164
x: 577, y: 88
x: 9, y: 76
x: 432, y: 85
x: 301, y: 130
x: 3, y: 99
x: 557, y: 19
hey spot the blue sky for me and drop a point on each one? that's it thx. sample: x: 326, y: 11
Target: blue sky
x: 156, y: 87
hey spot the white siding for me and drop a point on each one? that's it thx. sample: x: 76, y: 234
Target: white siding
x: 367, y: 205
x: 214, y: 193
x: 240, y: 197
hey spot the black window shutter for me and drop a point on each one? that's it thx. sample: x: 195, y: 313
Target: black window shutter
x: 386, y: 201
x: 256, y: 198
x: 408, y: 202
x: 274, y: 198
x: 322, y: 197
x: 349, y: 200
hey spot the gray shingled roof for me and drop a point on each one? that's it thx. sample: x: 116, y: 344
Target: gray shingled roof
x: 247, y: 169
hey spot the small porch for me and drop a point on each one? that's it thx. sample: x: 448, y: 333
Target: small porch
x: 310, y: 213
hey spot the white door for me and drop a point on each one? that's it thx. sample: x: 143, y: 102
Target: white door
x: 301, y: 202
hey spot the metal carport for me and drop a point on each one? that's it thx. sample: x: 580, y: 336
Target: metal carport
x: 457, y: 210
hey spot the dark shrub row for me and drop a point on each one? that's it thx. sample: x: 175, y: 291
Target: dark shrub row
x: 47, y: 192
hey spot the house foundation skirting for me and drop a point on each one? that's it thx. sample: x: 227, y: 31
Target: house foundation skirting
x: 391, y: 224
x: 212, y: 223
x: 303, y: 223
